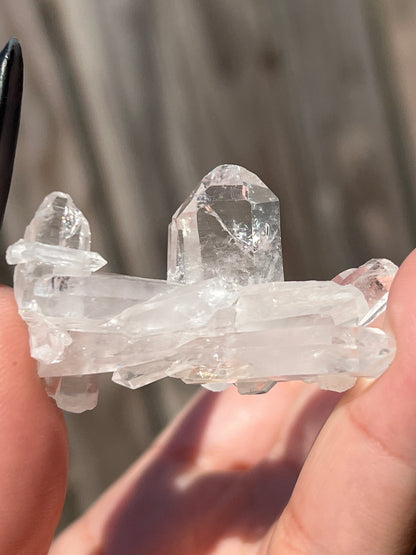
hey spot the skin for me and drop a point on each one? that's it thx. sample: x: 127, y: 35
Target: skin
x: 296, y: 471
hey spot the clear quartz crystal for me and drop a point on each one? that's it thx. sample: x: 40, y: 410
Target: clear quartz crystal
x: 59, y: 222
x: 373, y: 279
x: 229, y: 227
x: 223, y: 317
x: 56, y: 245
x: 73, y: 393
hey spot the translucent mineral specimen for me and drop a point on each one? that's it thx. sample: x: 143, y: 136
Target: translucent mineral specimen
x: 223, y: 317
x: 373, y: 279
x: 229, y: 227
x: 56, y: 243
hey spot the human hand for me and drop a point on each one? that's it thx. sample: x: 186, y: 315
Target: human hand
x: 297, y: 470
x: 33, y: 444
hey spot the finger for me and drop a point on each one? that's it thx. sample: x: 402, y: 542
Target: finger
x: 33, y: 444
x: 208, y: 451
x: 357, y: 490
x: 230, y: 430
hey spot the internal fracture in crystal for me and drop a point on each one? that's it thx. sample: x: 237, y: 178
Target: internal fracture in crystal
x: 224, y: 316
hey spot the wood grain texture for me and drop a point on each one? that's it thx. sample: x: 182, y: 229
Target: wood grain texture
x: 128, y: 103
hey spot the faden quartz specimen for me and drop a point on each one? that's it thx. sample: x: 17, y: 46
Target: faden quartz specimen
x: 224, y: 316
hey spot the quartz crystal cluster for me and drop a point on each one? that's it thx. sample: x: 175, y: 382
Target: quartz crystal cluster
x: 224, y: 315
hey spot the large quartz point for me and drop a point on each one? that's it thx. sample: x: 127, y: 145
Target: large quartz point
x: 229, y: 227
x: 224, y: 316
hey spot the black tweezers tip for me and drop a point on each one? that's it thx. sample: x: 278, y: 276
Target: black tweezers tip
x: 11, y: 88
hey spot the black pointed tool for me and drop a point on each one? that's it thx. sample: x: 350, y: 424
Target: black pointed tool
x: 11, y: 87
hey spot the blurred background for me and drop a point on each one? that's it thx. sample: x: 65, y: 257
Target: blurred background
x: 129, y: 103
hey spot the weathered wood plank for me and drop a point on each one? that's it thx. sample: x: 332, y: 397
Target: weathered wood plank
x: 343, y: 138
x: 398, y: 22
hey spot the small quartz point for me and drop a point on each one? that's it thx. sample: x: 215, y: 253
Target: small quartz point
x: 373, y: 279
x: 224, y: 316
x: 73, y: 393
x: 56, y: 242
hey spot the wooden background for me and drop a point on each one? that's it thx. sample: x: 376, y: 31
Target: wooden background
x: 128, y: 103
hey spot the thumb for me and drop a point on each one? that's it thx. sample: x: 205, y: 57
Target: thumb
x: 357, y: 490
x: 33, y: 443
